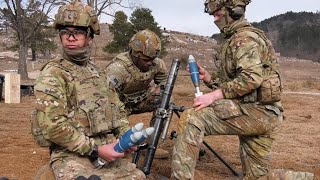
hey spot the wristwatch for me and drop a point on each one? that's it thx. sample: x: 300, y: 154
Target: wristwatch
x: 94, y: 153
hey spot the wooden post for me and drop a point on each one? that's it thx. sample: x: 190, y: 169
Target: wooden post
x: 12, y: 88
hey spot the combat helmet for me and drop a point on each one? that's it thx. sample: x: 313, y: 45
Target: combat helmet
x: 77, y: 14
x: 145, y: 42
x: 235, y: 7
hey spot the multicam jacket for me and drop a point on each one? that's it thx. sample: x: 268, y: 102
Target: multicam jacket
x: 248, y: 62
x: 133, y: 85
x: 76, y: 107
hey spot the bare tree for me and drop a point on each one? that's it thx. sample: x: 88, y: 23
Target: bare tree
x: 26, y: 17
x: 109, y: 7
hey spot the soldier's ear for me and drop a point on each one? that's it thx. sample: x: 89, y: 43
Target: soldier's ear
x: 90, y: 41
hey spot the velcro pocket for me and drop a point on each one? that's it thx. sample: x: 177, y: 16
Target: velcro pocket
x: 270, y: 89
x: 36, y: 130
x: 226, y: 109
x: 104, y: 117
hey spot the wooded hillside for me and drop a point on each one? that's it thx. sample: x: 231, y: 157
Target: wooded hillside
x: 294, y: 34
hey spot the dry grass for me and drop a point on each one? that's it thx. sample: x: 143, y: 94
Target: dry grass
x: 300, y: 75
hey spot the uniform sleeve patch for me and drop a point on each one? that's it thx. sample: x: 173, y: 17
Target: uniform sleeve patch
x: 114, y: 81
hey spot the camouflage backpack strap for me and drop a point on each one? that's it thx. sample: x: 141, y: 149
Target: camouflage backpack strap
x: 222, y: 74
x: 131, y: 68
x: 53, y: 62
x: 270, y: 59
x: 270, y: 89
x: 61, y: 64
x: 124, y: 58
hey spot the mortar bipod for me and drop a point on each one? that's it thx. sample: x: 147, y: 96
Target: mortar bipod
x: 173, y: 134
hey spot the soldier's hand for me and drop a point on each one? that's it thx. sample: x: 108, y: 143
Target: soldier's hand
x: 108, y: 153
x: 131, y: 149
x: 203, y: 74
x: 207, y: 99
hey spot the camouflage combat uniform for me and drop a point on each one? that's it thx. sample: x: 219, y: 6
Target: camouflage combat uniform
x: 247, y: 60
x: 77, y: 109
x: 136, y: 88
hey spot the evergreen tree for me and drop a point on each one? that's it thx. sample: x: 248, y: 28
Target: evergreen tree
x: 142, y: 18
x: 294, y: 34
x: 122, y: 32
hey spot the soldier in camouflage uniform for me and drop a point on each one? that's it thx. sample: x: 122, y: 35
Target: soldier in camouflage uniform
x: 245, y: 101
x: 79, y: 114
x: 138, y: 75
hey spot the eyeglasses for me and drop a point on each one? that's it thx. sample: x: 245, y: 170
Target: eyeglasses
x: 76, y: 34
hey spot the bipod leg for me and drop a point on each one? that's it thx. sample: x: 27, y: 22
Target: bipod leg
x: 221, y: 159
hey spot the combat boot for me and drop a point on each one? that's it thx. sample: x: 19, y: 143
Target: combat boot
x: 161, y: 154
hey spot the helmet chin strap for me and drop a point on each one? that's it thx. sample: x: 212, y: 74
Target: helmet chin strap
x: 87, y: 37
x: 135, y: 58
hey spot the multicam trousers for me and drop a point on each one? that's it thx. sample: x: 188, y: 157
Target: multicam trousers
x: 254, y: 124
x: 71, y: 167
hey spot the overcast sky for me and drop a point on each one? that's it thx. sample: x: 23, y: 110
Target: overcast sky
x: 188, y: 15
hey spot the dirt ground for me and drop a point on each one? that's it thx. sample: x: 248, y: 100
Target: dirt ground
x: 297, y: 145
